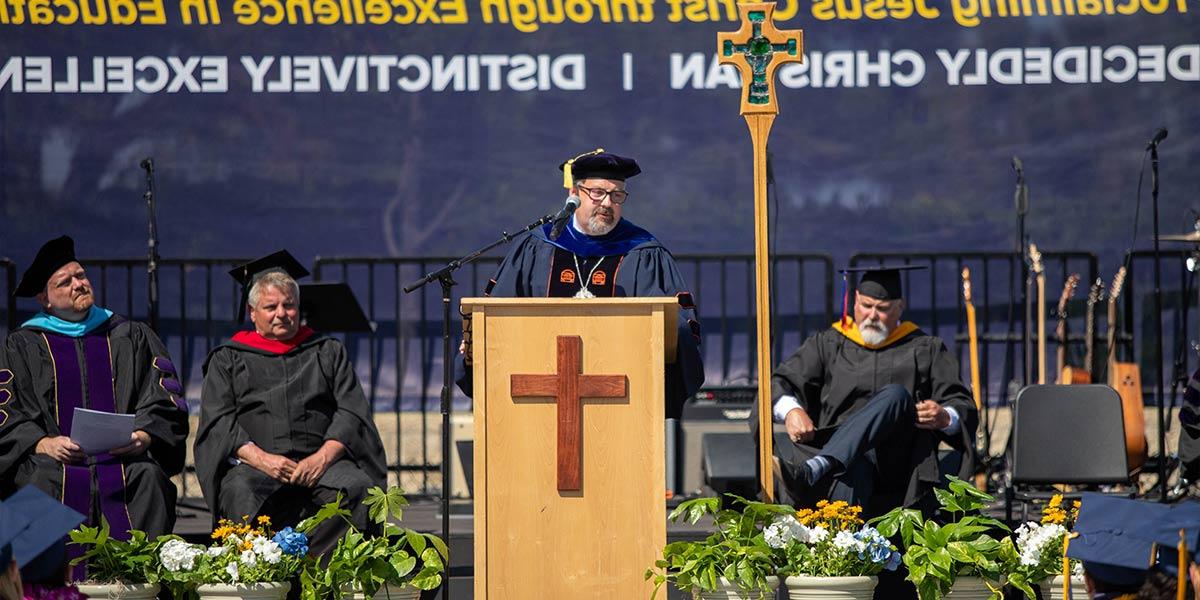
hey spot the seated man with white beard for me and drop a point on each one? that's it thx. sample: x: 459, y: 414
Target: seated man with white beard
x: 866, y: 403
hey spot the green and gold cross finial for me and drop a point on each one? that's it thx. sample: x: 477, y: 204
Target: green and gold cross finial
x: 757, y: 49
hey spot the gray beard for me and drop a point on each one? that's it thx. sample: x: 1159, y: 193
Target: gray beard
x: 873, y: 332
x: 598, y: 227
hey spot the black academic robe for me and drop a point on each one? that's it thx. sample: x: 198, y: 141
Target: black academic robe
x: 833, y: 376
x: 121, y: 366
x: 647, y: 269
x: 286, y: 403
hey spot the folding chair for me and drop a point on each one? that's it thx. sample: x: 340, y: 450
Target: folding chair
x: 1065, y: 434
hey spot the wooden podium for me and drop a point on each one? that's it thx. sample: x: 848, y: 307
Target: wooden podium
x: 569, y: 444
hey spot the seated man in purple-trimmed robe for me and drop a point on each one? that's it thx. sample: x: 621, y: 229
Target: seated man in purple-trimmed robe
x: 74, y: 354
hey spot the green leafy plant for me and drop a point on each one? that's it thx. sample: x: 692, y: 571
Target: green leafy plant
x: 830, y: 541
x: 736, y: 550
x: 1040, y: 544
x: 110, y: 560
x: 936, y: 554
x: 364, y: 562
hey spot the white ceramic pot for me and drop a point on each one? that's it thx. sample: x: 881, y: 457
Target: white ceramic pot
x: 393, y: 592
x: 830, y: 588
x: 727, y: 590
x: 1053, y: 588
x: 970, y: 588
x: 119, y: 591
x: 250, y: 591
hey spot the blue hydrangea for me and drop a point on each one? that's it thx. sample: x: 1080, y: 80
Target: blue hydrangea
x: 876, y: 548
x: 292, y: 542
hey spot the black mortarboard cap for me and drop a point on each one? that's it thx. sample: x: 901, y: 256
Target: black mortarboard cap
x: 245, y: 274
x: 598, y: 165
x: 332, y: 307
x: 1115, y: 538
x: 881, y: 282
x: 41, y: 524
x: 50, y: 258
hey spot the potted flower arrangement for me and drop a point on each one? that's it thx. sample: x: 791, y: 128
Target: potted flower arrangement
x: 1040, y: 550
x: 735, y: 561
x: 396, y: 565
x: 127, y: 570
x: 244, y: 562
x: 830, y: 553
x: 959, y: 559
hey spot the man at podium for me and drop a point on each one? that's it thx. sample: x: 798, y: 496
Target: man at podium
x: 601, y: 254
x: 866, y: 404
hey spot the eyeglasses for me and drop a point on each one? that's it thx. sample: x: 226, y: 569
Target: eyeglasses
x: 598, y: 195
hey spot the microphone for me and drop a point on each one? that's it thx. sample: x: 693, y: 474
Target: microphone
x: 147, y: 163
x: 1021, y: 195
x: 1018, y: 167
x: 1159, y: 136
x: 560, y: 219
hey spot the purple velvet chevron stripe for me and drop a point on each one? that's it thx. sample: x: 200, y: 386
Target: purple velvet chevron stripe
x: 110, y: 473
x: 68, y: 392
x: 170, y: 381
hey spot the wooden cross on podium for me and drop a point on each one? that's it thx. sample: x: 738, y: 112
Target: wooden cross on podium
x: 567, y: 387
x: 757, y: 49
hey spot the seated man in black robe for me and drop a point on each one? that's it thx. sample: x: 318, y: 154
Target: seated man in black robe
x: 284, y: 425
x: 601, y: 254
x: 866, y: 403
x: 75, y: 354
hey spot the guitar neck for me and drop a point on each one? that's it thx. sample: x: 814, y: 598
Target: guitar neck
x: 1112, y: 332
x: 1089, y: 345
x: 1041, y: 310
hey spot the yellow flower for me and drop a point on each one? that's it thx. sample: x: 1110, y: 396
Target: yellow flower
x: 264, y: 520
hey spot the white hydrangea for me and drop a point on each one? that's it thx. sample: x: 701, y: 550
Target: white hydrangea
x: 232, y: 569
x: 267, y: 550
x: 1034, y: 538
x: 845, y: 540
x: 248, y: 558
x: 817, y: 534
x: 783, y: 530
x: 178, y: 555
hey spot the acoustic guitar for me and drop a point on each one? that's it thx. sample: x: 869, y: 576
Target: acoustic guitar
x: 1127, y: 380
x: 1035, y: 263
x: 1061, y: 330
x: 1083, y: 375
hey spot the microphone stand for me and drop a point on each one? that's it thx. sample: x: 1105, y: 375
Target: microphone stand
x: 1158, y: 325
x: 1021, y: 200
x: 444, y: 276
x: 151, y: 244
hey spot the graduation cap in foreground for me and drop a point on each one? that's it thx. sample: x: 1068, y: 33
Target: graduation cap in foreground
x: 50, y: 258
x: 598, y: 164
x: 35, y: 524
x: 247, y: 273
x: 1178, y: 539
x: 332, y: 307
x: 1114, y: 537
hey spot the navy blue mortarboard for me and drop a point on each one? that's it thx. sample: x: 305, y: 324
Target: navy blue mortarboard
x: 1180, y: 530
x: 598, y: 164
x: 1115, y: 538
x: 881, y: 282
x: 245, y: 274
x: 37, y: 532
x: 12, y: 524
x: 50, y: 258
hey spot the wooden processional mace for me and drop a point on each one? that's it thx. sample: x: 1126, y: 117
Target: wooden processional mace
x: 757, y: 49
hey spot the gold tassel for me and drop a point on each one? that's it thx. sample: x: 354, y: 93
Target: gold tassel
x: 1066, y: 569
x: 568, y: 177
x: 1181, y: 584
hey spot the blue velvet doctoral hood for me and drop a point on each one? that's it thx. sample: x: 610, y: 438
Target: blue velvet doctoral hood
x: 624, y: 237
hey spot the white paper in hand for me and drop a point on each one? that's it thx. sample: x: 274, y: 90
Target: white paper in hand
x: 97, y: 431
